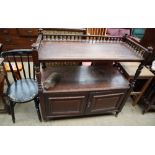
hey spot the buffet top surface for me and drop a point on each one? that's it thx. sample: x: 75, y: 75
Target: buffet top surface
x: 86, y: 51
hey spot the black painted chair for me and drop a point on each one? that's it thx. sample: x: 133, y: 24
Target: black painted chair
x: 25, y: 88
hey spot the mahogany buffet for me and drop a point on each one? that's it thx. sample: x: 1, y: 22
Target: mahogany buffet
x: 85, y: 90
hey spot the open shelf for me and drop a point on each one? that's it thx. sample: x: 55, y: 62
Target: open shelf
x: 86, y: 78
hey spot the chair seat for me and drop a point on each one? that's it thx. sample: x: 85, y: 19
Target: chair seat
x: 23, y: 90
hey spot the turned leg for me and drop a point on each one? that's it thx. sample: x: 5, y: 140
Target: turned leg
x: 36, y: 100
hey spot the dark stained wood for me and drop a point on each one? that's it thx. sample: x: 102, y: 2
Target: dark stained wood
x: 16, y: 38
x: 102, y: 102
x: 86, y: 51
x: 72, y: 96
x: 84, y: 78
x: 88, y: 80
x: 70, y: 104
x: 65, y: 105
x: 65, y: 30
x: 147, y: 56
x: 20, y: 38
x: 149, y: 38
x: 28, y: 32
x: 135, y: 49
x: 38, y: 78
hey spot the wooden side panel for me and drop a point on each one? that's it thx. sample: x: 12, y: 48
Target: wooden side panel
x: 65, y: 105
x: 104, y: 102
x: 21, y: 38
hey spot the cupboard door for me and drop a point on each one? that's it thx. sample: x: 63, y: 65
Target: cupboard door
x: 65, y: 106
x: 99, y: 103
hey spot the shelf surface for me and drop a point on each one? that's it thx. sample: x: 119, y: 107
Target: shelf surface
x: 86, y: 78
x: 131, y: 67
x: 86, y: 51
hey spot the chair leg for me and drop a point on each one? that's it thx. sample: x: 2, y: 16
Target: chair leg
x: 36, y: 100
x: 12, y: 111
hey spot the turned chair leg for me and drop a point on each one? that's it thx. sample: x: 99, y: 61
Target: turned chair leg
x: 12, y: 111
x: 36, y: 100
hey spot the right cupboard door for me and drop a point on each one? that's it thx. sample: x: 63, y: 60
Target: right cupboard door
x: 100, y: 102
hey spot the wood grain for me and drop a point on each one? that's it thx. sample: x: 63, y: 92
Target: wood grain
x: 85, y: 51
x: 83, y: 78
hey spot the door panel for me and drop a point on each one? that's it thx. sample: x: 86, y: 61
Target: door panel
x: 104, y: 102
x: 68, y: 105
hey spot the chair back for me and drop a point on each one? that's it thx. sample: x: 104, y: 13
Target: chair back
x: 19, y: 64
